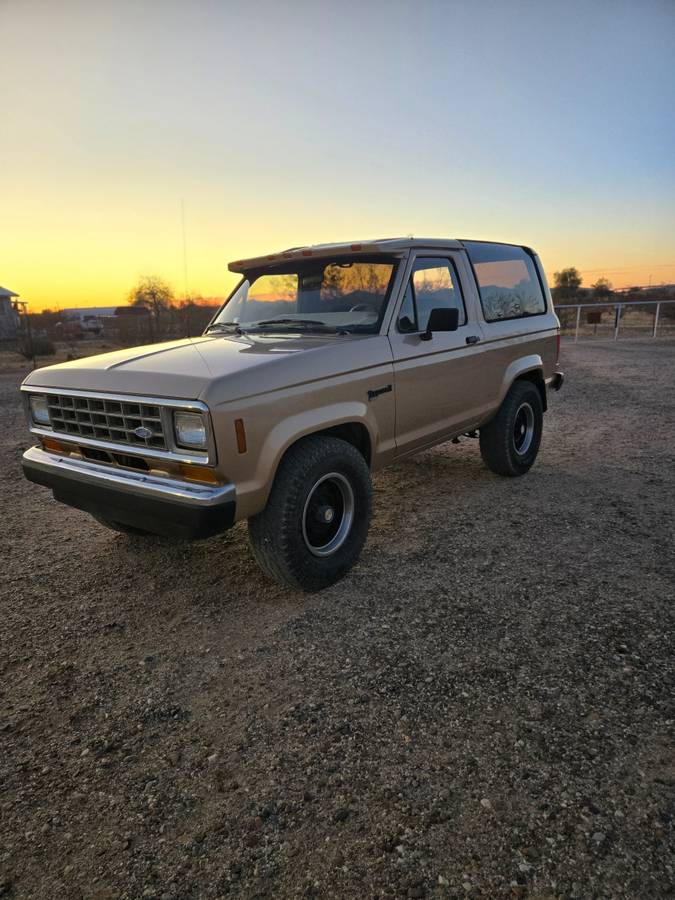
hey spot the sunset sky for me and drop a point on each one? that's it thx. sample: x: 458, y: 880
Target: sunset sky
x: 285, y: 123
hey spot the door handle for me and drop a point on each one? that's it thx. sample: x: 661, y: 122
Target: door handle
x: 472, y: 339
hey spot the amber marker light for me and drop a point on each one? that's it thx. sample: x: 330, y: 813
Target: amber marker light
x: 240, y: 431
x: 198, y: 473
x: 56, y: 446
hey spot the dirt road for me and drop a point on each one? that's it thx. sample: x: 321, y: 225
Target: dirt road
x: 484, y: 708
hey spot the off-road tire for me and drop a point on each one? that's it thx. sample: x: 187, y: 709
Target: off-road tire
x: 498, y: 439
x: 277, y: 538
x: 121, y: 527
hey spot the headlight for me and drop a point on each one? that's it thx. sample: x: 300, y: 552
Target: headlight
x: 39, y: 410
x: 190, y: 429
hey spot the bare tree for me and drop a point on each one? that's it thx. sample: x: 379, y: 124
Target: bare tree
x: 155, y: 295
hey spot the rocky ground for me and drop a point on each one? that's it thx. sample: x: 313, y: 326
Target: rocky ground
x: 483, y: 708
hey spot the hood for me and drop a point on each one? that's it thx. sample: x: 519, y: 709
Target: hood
x: 217, y: 367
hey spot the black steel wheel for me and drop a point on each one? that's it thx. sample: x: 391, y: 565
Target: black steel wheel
x: 509, y: 443
x: 316, y: 520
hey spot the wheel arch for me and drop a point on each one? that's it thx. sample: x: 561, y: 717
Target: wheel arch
x: 349, y: 422
x: 527, y: 368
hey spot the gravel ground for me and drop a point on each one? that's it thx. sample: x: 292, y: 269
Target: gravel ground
x: 483, y: 708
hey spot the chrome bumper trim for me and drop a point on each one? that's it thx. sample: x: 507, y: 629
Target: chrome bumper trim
x: 138, y: 483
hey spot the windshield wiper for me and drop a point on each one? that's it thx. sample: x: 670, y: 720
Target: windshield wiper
x: 225, y: 326
x: 300, y: 324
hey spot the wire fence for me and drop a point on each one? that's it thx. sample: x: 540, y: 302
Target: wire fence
x: 649, y: 318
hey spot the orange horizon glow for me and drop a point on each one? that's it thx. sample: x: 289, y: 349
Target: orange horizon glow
x: 40, y: 296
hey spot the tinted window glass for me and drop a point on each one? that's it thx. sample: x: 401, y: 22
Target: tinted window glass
x: 433, y: 283
x: 507, y: 281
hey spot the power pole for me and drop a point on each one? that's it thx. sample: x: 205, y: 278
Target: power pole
x: 21, y: 307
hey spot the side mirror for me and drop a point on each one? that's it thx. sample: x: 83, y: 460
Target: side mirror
x: 441, y: 319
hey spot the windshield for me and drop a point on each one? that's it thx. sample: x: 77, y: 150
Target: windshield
x: 335, y: 296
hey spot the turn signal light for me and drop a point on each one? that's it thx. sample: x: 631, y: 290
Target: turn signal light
x: 51, y: 444
x: 198, y: 473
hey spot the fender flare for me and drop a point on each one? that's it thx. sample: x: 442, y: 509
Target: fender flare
x: 523, y: 366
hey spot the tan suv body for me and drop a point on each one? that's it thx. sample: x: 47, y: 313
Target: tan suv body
x: 373, y: 350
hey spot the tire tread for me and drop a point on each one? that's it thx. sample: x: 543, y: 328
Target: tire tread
x: 273, y: 532
x: 496, y: 444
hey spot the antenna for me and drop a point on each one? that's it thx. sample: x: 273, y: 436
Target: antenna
x: 185, y: 276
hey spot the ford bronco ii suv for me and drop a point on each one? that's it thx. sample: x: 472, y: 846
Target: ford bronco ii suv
x: 326, y: 363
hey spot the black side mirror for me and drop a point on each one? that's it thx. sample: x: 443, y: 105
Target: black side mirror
x: 441, y: 319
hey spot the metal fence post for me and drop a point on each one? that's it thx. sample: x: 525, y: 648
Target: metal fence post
x: 656, y: 319
x: 618, y: 307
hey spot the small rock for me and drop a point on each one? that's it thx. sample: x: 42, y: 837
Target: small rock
x: 485, y: 803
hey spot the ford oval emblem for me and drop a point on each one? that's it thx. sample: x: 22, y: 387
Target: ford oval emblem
x: 143, y: 432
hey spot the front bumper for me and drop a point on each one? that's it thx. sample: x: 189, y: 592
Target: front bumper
x: 150, y: 502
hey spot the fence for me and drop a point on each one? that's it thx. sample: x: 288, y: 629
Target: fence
x: 631, y: 317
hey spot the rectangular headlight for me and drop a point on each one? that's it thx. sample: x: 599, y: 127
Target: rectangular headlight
x: 39, y: 410
x: 190, y: 430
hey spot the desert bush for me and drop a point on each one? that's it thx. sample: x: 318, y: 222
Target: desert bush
x: 42, y: 346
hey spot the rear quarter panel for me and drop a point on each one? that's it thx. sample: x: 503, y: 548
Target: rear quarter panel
x: 518, y: 346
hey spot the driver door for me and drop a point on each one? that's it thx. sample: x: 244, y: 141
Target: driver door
x: 439, y: 383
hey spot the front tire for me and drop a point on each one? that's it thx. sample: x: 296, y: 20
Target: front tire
x: 316, y: 520
x: 509, y: 443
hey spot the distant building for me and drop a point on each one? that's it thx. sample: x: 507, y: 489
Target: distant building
x: 9, y: 317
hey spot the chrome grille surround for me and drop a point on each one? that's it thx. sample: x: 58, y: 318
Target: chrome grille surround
x: 122, y: 413
x: 107, y: 420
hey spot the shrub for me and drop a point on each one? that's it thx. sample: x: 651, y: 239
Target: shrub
x: 42, y: 346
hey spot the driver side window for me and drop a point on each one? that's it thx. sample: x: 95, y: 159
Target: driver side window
x: 433, y: 283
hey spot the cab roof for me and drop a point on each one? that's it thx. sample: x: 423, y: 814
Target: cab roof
x: 391, y: 246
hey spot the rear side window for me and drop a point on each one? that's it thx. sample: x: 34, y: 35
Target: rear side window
x: 508, y: 283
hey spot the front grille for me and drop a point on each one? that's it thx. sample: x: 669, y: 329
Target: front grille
x: 107, y: 420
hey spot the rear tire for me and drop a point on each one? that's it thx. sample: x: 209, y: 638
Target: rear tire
x: 121, y: 527
x: 509, y: 443
x: 316, y: 520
